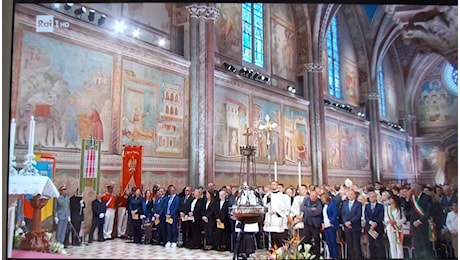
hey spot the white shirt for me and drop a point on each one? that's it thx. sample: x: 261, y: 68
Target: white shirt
x: 452, y: 221
x: 221, y: 204
x: 192, y: 207
x: 327, y: 221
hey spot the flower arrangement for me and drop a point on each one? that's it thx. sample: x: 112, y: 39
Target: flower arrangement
x: 57, y: 248
x: 293, y: 249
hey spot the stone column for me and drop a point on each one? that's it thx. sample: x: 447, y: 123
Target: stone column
x: 374, y: 116
x: 312, y: 74
x: 201, y: 163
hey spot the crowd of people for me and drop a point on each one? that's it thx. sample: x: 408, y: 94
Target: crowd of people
x: 372, y: 221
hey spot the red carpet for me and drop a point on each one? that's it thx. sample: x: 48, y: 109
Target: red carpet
x: 17, y: 254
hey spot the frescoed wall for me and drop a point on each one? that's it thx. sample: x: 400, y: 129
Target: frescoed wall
x: 396, y: 156
x: 153, y: 110
x: 296, y: 136
x: 231, y: 122
x: 332, y: 144
x: 283, y: 49
x: 351, y: 83
x: 362, y: 148
x: 156, y: 15
x: 67, y: 106
x: 347, y: 137
x: 437, y: 105
x: 425, y: 158
x: 267, y: 130
x: 228, y: 30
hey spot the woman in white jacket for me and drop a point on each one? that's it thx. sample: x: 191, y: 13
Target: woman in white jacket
x: 394, y: 219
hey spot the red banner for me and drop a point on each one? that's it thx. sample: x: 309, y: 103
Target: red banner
x: 132, y: 167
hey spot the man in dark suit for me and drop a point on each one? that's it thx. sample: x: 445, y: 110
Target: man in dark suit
x: 420, y: 204
x: 98, y: 220
x: 77, y: 215
x: 159, y: 212
x: 172, y: 216
x: 351, y: 219
x: 374, y: 213
x: 312, y: 209
x: 185, y: 225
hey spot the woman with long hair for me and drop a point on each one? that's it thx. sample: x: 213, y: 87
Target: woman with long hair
x: 393, y: 220
x: 209, y: 219
x: 147, y: 207
x: 331, y: 224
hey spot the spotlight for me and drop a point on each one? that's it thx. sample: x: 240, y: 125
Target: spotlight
x: 136, y: 33
x: 101, y: 20
x: 250, y: 72
x: 229, y: 67
x: 327, y: 102
x: 68, y: 6
x: 80, y: 11
x: 91, y: 15
x: 56, y: 5
x: 291, y: 89
x: 243, y: 71
x: 256, y: 75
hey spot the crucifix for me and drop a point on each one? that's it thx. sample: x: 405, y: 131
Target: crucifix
x: 267, y: 128
x: 247, y: 153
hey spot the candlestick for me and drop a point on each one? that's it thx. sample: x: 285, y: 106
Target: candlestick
x: 12, y: 138
x: 276, y: 170
x: 300, y: 173
x: 31, y: 136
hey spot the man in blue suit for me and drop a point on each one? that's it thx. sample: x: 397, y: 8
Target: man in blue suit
x: 312, y: 209
x: 419, y: 205
x: 159, y: 212
x: 351, y: 219
x: 172, y: 216
x: 374, y: 213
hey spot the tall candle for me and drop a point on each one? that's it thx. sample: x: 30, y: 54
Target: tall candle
x: 31, y: 136
x: 12, y: 137
x: 300, y: 173
x: 276, y: 171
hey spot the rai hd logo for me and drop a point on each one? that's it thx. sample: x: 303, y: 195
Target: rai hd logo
x: 44, y: 23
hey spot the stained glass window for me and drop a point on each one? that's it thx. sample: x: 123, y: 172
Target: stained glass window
x: 381, y: 88
x: 451, y: 78
x: 332, y: 41
x: 253, y: 33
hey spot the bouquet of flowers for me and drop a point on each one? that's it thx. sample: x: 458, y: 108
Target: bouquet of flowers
x: 57, y: 248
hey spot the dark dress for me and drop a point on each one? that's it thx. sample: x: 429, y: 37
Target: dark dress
x: 223, y: 235
x: 136, y: 222
x: 194, y: 239
x: 210, y: 226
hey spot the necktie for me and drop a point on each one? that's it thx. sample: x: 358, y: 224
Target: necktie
x: 169, y: 203
x: 350, y: 204
x: 372, y: 207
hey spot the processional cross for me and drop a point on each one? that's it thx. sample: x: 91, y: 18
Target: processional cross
x: 268, y: 127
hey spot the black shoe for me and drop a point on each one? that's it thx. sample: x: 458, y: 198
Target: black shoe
x: 90, y: 241
x: 101, y: 240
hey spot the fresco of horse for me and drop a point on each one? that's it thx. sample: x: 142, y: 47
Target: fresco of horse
x: 45, y: 115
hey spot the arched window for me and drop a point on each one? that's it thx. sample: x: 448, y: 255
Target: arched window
x: 381, y: 87
x: 333, y: 59
x: 253, y: 33
x: 450, y: 77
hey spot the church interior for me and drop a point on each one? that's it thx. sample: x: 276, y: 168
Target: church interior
x: 320, y: 92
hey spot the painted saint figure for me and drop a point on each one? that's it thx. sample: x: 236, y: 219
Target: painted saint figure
x: 97, y: 130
